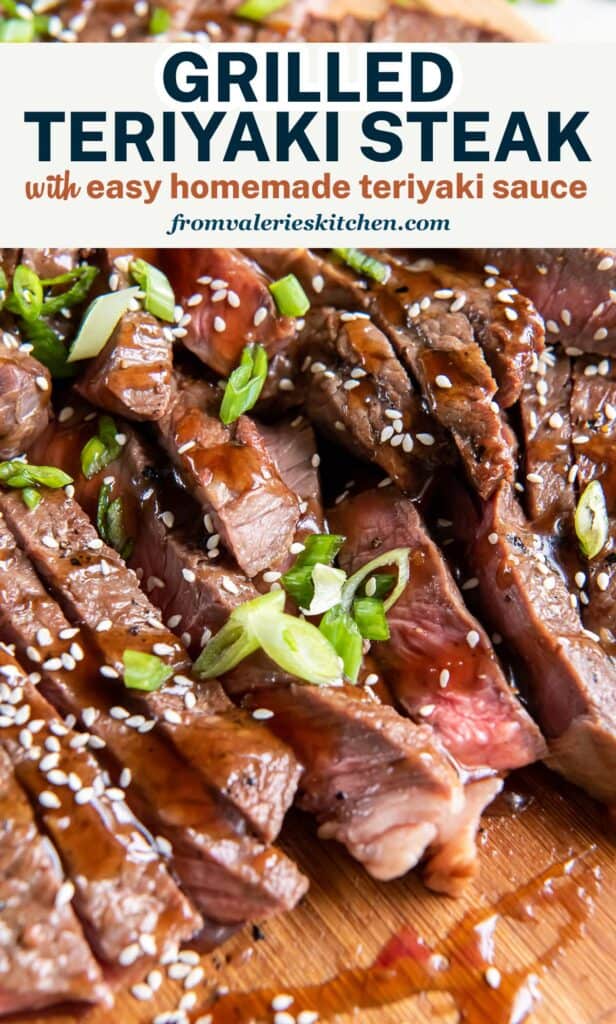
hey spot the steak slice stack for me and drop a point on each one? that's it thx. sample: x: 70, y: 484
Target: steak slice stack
x: 571, y: 680
x: 25, y: 390
x: 44, y: 957
x: 229, y: 876
x: 231, y: 752
x: 438, y: 661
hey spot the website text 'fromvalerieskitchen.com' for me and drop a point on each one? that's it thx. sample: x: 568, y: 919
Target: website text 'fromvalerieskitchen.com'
x: 320, y: 222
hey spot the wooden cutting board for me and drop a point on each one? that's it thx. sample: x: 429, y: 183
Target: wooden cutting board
x: 548, y: 880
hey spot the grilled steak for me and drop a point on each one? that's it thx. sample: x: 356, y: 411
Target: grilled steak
x: 132, y: 375
x: 573, y: 289
x: 126, y: 891
x: 25, y: 389
x: 232, y: 752
x: 593, y: 415
x: 292, y: 445
x: 229, y: 876
x: 44, y: 957
x: 376, y: 783
x: 571, y: 679
x: 439, y: 661
x: 231, y: 474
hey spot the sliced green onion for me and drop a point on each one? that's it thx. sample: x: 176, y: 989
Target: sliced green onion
x: 27, y: 298
x: 379, y: 585
x: 108, y: 433
x: 159, y: 298
x: 160, y: 21
x: 82, y: 277
x: 30, y: 497
x: 102, y: 507
x: 17, y: 30
x: 100, y: 450
x: 231, y: 645
x: 591, y: 520
x: 398, y: 557
x: 298, y: 647
x: 318, y: 548
x: 257, y: 10
x: 363, y: 264
x: 245, y: 384
x: 144, y: 671
x: 269, y: 603
x: 116, y: 532
x: 327, y: 583
x: 21, y: 474
x: 339, y: 627
x: 100, y: 321
x: 369, y: 614
x: 48, y: 348
x: 289, y: 296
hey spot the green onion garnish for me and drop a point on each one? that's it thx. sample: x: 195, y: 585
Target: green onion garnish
x: 591, y: 520
x: 245, y: 384
x: 398, y: 557
x: 82, y: 278
x: 257, y: 10
x: 363, y: 264
x: 27, y: 297
x: 101, y: 319
x: 144, y: 671
x: 369, y: 614
x: 327, y: 583
x: 17, y: 30
x: 319, y: 548
x: 110, y: 522
x: 339, y: 627
x: 159, y: 298
x: 160, y: 21
x: 289, y: 296
x: 379, y: 585
x: 101, y: 449
x: 48, y: 348
x: 30, y: 497
x: 21, y: 474
x: 293, y: 644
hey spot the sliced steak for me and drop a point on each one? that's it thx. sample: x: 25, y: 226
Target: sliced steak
x: 234, y: 754
x: 126, y: 890
x: 230, y: 472
x: 25, y: 390
x: 234, y: 308
x: 439, y: 662
x: 106, y: 21
x: 358, y: 393
x: 571, y: 680
x: 573, y: 289
x: 376, y: 783
x: 132, y: 375
x: 548, y: 452
x: 44, y: 957
x: 293, y: 447
x: 229, y: 876
x: 325, y: 282
x: 50, y: 263
x: 593, y: 414
x: 436, y: 340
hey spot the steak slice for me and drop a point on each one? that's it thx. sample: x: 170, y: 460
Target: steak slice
x: 438, y: 660
x: 44, y: 957
x: 325, y: 282
x: 231, y: 474
x: 125, y: 891
x: 293, y: 447
x: 359, y: 395
x: 593, y: 414
x: 105, y: 21
x: 228, y: 875
x: 436, y: 340
x: 228, y: 305
x: 571, y: 680
x: 573, y: 289
x: 132, y: 375
x: 376, y: 782
x: 233, y: 754
x: 25, y: 389
x: 548, y: 452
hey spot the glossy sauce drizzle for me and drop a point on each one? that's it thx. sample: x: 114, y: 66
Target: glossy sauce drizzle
x: 464, y: 965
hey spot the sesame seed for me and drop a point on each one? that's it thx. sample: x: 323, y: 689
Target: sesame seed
x: 426, y: 710
x: 600, y: 334
x: 49, y: 800
x: 233, y: 299
x: 162, y: 650
x: 358, y: 373
x: 68, y: 662
x: 261, y: 714
x: 565, y: 316
x: 189, y: 575
x: 42, y: 383
x: 492, y: 538
x: 52, y: 664
x: 259, y: 316
x: 230, y: 586
x: 271, y: 576
x: 178, y: 971
x: 155, y: 979
x: 163, y: 846
x: 504, y: 295
x: 129, y: 954
x: 188, y: 1001
x: 442, y: 381
x: 286, y: 384
x: 471, y: 583
x: 118, y: 713
x: 109, y: 672
x: 84, y: 796
x: 172, y: 717
x: 168, y: 519
x: 556, y: 421
x: 552, y: 327
x: 282, y: 1001
x: 444, y: 677
x: 95, y: 544
x: 350, y: 385
x: 89, y: 716
x: 510, y: 313
x: 493, y: 977
x: 141, y: 991
x: 458, y: 304
x: 64, y: 894
x: 491, y: 269
x: 371, y: 679
x: 219, y: 324
x: 195, y: 976
x: 472, y: 638
x: 48, y: 541
x: 425, y: 439
x: 534, y: 478
x: 606, y: 263
x: 603, y: 581
x: 147, y: 941
x: 443, y: 293
x: 386, y: 434
x: 307, y: 1017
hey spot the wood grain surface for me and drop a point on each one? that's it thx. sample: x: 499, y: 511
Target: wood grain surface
x: 347, y: 919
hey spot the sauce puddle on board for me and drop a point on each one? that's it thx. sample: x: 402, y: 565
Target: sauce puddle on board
x: 464, y: 965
